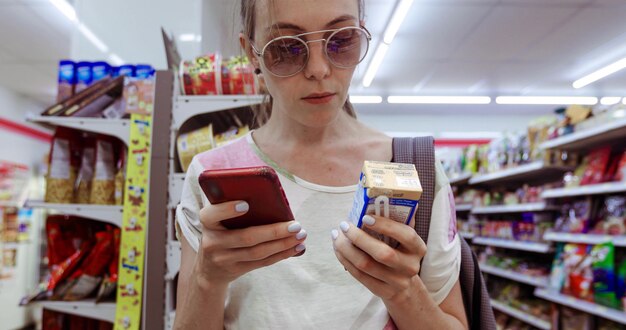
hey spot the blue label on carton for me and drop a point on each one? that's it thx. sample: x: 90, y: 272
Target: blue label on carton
x: 83, y: 73
x: 100, y: 70
x: 127, y: 70
x: 67, y: 72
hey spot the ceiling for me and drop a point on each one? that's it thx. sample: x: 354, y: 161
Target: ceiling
x: 444, y: 47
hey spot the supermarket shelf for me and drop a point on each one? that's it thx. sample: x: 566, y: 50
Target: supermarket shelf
x: 510, y: 244
x: 522, y: 173
x: 585, y: 306
x: 585, y: 238
x: 597, y: 189
x: 189, y: 106
x: 119, y: 128
x: 10, y: 246
x: 176, y: 188
x: 522, y: 316
x: 467, y: 235
x: 100, y: 311
x: 172, y: 260
x: 464, y: 207
x: 538, y: 281
x: 588, y: 138
x: 169, y: 320
x: 107, y: 213
x: 460, y: 180
x: 519, y: 208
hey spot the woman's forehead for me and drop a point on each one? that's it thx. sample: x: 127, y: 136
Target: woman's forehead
x: 307, y: 15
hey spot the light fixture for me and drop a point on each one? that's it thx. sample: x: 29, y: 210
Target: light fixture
x: 624, y: 101
x: 115, y: 59
x: 65, y: 8
x: 610, y: 100
x: 439, y: 99
x: 393, y: 26
x: 547, y: 100
x: 621, y: 113
x: 366, y: 99
x: 375, y: 64
x: 93, y: 38
x: 190, y: 37
x: 396, y: 20
x: 606, y: 71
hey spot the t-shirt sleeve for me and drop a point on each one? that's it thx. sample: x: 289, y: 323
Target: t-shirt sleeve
x: 442, y: 263
x: 188, y: 211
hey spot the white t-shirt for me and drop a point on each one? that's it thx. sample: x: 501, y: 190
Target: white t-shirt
x: 314, y: 291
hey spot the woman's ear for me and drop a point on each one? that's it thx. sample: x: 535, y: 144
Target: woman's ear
x: 245, y: 46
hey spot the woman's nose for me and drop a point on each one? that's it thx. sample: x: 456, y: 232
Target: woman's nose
x: 318, y: 65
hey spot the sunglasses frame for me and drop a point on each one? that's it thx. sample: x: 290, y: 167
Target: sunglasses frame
x: 260, y: 54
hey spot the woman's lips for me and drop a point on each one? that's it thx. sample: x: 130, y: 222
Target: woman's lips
x: 319, y: 98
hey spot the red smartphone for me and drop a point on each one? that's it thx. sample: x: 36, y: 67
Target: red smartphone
x: 259, y: 186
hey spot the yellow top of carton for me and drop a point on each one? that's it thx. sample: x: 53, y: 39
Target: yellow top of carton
x: 394, y: 180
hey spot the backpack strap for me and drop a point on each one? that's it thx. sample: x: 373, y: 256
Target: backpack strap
x: 406, y: 150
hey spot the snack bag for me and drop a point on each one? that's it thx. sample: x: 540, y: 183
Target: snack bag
x: 85, y: 175
x: 84, y: 76
x: 103, y: 185
x: 604, y: 281
x: 67, y: 80
x: 620, y: 172
x: 193, y: 143
x: 387, y: 189
x: 238, y: 77
x: 64, y: 162
x: 120, y: 176
x: 598, y: 161
x: 230, y: 135
x: 109, y: 283
x: 206, y: 77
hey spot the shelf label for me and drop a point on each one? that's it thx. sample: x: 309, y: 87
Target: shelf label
x: 134, y: 223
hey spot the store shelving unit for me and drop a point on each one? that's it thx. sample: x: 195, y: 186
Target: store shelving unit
x: 582, y: 305
x: 597, y: 189
x: 106, y: 213
x: 585, y: 238
x: 464, y: 207
x: 514, y: 245
x: 460, y: 180
x: 537, y: 281
x: 467, y: 235
x: 523, y: 173
x: 520, y: 315
x: 87, y: 308
x: 519, y: 208
x: 587, y: 138
x: 118, y: 128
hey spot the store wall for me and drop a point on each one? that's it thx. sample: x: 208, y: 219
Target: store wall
x: 15, y: 146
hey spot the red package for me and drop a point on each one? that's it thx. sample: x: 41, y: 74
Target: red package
x: 52, y: 320
x: 598, y: 161
x: 205, y: 76
x: 241, y: 80
x: 100, y: 256
x: 66, y: 268
x: 620, y: 171
x: 60, y: 245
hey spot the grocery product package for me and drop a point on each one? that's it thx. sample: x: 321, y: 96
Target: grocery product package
x: 620, y: 171
x: 192, y: 143
x: 232, y: 134
x: 598, y: 162
x: 100, y: 70
x: 94, y: 104
x: 63, y: 165
x: 387, y: 189
x: 66, y: 81
x: 604, y: 279
x: 85, y: 174
x: 202, y: 76
x: 103, y: 184
x: 238, y: 77
x: 120, y: 176
x: 84, y: 76
x: 109, y: 283
x: 578, y: 271
x: 138, y: 96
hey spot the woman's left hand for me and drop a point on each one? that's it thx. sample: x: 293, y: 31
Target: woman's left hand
x: 385, y: 271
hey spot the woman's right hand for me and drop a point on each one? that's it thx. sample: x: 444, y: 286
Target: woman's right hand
x: 226, y: 254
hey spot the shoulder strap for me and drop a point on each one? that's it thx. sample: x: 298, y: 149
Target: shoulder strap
x: 421, y: 152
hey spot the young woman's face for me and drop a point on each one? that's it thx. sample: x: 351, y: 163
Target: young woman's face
x: 314, y: 96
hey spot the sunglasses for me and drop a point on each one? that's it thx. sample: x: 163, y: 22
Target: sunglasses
x: 288, y: 55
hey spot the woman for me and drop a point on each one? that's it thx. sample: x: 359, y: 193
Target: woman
x: 331, y: 275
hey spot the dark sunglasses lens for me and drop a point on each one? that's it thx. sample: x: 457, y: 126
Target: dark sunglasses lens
x: 285, y: 56
x: 347, y: 48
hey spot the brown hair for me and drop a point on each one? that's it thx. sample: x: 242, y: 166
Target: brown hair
x: 263, y: 112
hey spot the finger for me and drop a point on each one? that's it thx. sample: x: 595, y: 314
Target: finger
x: 405, y: 235
x: 211, y: 215
x: 376, y: 286
x: 252, y: 265
x: 261, y: 251
x: 399, y: 262
x: 251, y: 236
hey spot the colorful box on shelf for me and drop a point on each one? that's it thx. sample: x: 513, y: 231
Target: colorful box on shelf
x: 585, y: 306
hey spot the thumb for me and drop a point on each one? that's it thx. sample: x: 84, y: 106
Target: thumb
x: 211, y: 215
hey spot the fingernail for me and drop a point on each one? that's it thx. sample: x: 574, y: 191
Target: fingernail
x: 300, y: 247
x: 301, y: 234
x: 344, y: 226
x: 242, y: 207
x: 334, y: 233
x: 369, y: 220
x: 294, y: 227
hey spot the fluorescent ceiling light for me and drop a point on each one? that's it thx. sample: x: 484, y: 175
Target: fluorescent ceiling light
x: 65, y: 8
x: 624, y: 101
x: 610, y: 100
x: 190, y: 37
x: 116, y: 60
x: 607, y: 70
x: 396, y: 20
x: 547, y: 100
x: 375, y: 64
x: 619, y: 113
x: 439, y: 99
x: 93, y: 38
x: 370, y: 99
